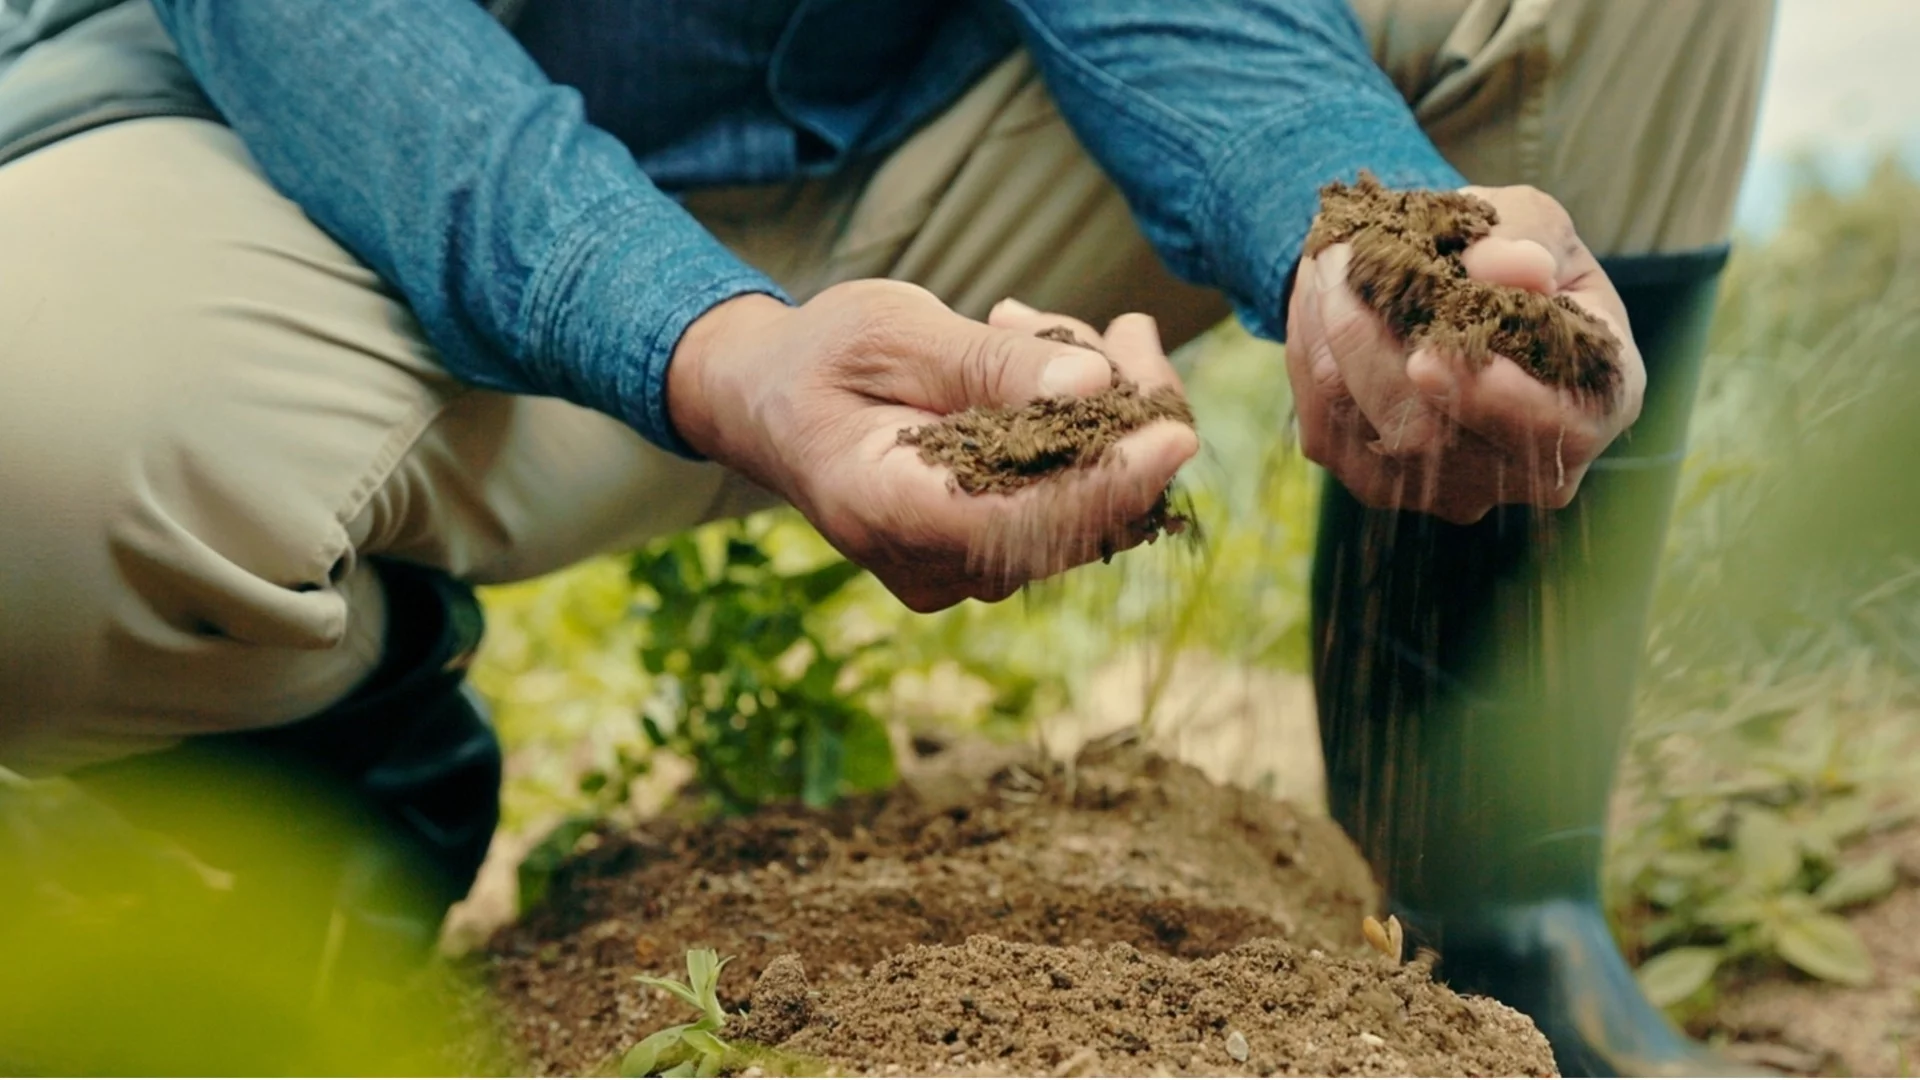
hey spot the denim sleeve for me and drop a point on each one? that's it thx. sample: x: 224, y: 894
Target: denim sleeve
x: 1221, y: 119
x: 537, y: 256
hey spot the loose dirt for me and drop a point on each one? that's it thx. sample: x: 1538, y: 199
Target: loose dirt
x: 1407, y: 268
x: 995, y: 915
x: 997, y: 451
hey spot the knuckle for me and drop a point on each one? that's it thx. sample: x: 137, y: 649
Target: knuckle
x: 987, y: 363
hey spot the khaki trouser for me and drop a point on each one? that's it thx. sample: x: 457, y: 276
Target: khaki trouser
x: 212, y: 414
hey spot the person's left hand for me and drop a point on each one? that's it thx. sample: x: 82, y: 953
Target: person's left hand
x: 1420, y: 431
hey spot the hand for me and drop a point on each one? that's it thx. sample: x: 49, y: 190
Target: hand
x: 1421, y: 431
x: 809, y: 402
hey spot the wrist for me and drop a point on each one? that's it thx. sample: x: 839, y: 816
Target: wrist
x: 698, y: 389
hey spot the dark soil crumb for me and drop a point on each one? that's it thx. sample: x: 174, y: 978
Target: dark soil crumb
x: 1120, y: 848
x: 1407, y: 268
x: 993, y: 1007
x: 998, y: 451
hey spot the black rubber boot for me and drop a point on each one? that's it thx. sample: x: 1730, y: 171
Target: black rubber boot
x: 1474, y: 684
x: 364, y: 823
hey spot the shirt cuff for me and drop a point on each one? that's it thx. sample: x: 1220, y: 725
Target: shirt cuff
x: 616, y: 299
x: 1262, y: 196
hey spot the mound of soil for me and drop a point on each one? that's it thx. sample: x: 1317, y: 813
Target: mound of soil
x: 1407, y: 269
x: 994, y: 915
x: 993, y: 1007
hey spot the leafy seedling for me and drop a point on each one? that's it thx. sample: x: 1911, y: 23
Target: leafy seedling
x: 685, y: 1049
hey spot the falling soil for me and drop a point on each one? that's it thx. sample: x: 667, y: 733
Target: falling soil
x: 996, y: 451
x: 1407, y: 268
x: 992, y: 916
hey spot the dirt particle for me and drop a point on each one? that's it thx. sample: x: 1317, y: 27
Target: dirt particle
x: 1237, y: 1047
x: 1407, y: 268
x: 1060, y: 979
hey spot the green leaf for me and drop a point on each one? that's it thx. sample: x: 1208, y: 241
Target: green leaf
x: 1678, y: 974
x: 868, y: 764
x: 1734, y: 910
x: 685, y: 1068
x: 703, y: 970
x: 821, y: 782
x: 817, y: 585
x: 536, y: 870
x: 1859, y: 882
x: 1826, y: 947
x: 1769, y: 852
x: 671, y: 986
x: 646, y: 1054
x: 741, y: 552
x: 704, y: 1042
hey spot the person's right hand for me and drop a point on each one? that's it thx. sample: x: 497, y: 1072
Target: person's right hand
x: 809, y: 402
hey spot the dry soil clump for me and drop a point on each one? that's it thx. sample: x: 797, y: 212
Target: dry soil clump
x: 1407, y: 268
x: 1136, y: 916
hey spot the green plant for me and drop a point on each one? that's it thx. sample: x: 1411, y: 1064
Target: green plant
x: 1746, y: 854
x: 748, y: 686
x: 693, y: 1049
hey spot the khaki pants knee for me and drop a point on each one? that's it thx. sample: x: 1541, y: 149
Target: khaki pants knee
x: 1638, y: 115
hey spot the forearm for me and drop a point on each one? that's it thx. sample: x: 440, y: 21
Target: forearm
x: 1221, y: 119
x: 535, y: 253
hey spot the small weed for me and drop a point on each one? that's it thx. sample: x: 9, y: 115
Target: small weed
x: 693, y: 1049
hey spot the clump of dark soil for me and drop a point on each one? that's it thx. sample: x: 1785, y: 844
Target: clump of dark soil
x: 996, y: 451
x: 1407, y: 268
x: 1138, y: 916
x: 993, y: 451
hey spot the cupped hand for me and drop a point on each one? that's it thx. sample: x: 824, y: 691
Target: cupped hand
x: 1420, y: 430
x: 810, y: 402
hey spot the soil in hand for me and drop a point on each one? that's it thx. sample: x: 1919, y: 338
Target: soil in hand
x: 1407, y: 268
x: 994, y: 915
x: 996, y: 451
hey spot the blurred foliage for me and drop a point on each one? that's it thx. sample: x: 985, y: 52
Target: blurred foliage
x: 1779, y: 727
x: 126, y: 955
x: 748, y: 685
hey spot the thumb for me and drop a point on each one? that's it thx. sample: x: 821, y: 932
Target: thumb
x: 1521, y: 264
x: 972, y: 364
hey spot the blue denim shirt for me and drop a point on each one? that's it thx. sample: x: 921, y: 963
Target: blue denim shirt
x: 529, y: 223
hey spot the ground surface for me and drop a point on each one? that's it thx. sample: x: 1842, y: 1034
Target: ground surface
x: 1123, y: 917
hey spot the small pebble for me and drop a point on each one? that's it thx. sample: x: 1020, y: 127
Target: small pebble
x: 1237, y: 1047
x: 1371, y: 1039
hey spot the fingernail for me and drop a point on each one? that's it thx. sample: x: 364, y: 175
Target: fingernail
x: 1014, y: 307
x: 1075, y: 374
x: 1330, y: 269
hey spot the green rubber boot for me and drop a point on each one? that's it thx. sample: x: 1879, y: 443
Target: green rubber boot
x: 1474, y: 684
